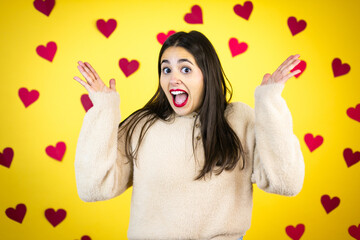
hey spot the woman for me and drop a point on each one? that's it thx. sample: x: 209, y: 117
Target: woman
x: 190, y: 155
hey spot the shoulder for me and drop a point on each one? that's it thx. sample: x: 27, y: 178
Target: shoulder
x: 239, y: 111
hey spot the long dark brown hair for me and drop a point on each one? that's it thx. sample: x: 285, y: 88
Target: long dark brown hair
x: 222, y: 147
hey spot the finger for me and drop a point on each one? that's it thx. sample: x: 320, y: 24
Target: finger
x: 112, y: 84
x: 86, y: 86
x: 291, y: 66
x: 290, y: 75
x: 88, y: 71
x: 85, y: 74
x: 288, y: 62
x: 92, y: 70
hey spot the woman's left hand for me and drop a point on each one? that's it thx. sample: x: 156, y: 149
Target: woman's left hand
x: 282, y: 73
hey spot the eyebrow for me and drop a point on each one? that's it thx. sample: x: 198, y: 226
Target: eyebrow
x: 179, y: 61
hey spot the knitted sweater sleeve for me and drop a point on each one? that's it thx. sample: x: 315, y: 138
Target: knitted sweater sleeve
x: 278, y: 164
x: 102, y: 170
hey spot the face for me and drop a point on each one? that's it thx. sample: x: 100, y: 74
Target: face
x: 182, y: 80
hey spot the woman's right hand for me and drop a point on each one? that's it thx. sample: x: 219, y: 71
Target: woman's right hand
x: 93, y: 82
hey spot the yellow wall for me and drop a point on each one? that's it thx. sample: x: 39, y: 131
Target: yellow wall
x: 317, y: 100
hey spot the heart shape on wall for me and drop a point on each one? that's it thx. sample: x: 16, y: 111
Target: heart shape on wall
x: 6, y: 157
x: 350, y: 157
x: 57, y: 152
x: 28, y: 97
x: 195, y: 16
x: 161, y: 37
x: 127, y: 67
x: 313, y: 143
x: 339, y: 68
x: 44, y: 6
x: 244, y: 11
x: 354, y: 231
x: 17, y: 214
x: 301, y: 66
x: 296, y: 26
x: 47, y: 52
x: 329, y: 204
x: 55, y: 217
x: 295, y: 233
x: 237, y: 48
x: 354, y: 113
x: 106, y: 28
x: 86, y: 102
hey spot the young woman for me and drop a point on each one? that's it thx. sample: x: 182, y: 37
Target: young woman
x: 191, y: 156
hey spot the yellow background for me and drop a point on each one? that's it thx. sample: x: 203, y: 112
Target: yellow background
x: 317, y: 101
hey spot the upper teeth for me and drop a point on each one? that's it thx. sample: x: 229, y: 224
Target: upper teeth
x: 177, y: 92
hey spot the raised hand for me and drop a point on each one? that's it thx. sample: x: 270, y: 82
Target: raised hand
x: 93, y: 81
x: 282, y: 73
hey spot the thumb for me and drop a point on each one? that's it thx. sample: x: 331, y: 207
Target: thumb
x: 112, y: 84
x: 266, y: 78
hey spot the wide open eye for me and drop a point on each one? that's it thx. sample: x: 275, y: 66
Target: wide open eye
x: 166, y: 70
x: 185, y: 70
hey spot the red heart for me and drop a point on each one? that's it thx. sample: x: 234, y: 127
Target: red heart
x: 301, y: 66
x: 339, y: 68
x: 106, y: 28
x: 127, y: 67
x: 17, y: 214
x: 354, y: 231
x: 329, y: 204
x: 56, y: 152
x: 6, y: 157
x: 237, y: 48
x: 55, y: 217
x: 161, y: 37
x: 85, y: 237
x: 350, y: 157
x: 28, y: 97
x: 47, y: 52
x: 313, y: 143
x: 295, y: 233
x: 244, y: 11
x: 354, y: 113
x: 86, y: 102
x: 44, y: 6
x: 296, y: 26
x: 195, y: 17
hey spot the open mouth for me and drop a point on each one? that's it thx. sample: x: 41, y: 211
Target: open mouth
x: 180, y: 97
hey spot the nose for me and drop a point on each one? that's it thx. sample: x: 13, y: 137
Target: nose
x: 175, y: 79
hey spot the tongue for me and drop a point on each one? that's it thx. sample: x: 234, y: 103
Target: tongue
x: 180, y: 98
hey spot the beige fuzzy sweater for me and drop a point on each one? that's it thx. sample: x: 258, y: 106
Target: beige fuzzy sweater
x: 166, y: 201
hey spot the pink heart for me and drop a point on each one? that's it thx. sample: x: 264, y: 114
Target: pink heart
x: 350, y: 157
x: 354, y: 113
x: 56, y: 152
x: 329, y: 204
x: 339, y: 68
x: 17, y: 214
x: 6, y: 157
x: 47, y: 52
x: 161, y: 37
x: 313, y: 143
x: 86, y: 102
x: 28, y: 97
x: 295, y: 233
x: 55, y: 217
x: 195, y: 16
x: 244, y: 11
x: 127, y: 67
x: 236, y: 48
x: 301, y: 66
x: 106, y: 28
x: 44, y: 6
x: 354, y: 231
x: 296, y: 26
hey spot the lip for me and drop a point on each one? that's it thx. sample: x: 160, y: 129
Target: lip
x: 179, y: 105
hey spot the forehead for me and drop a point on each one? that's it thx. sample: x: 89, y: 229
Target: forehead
x: 174, y: 53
